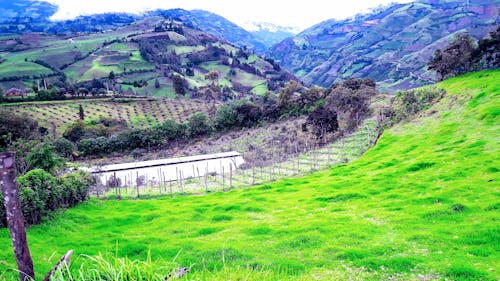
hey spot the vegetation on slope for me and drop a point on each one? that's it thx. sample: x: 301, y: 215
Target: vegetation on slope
x: 423, y: 203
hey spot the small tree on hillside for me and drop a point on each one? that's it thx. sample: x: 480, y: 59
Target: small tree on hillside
x: 454, y: 59
x: 43, y: 157
x: 198, y: 125
x: 178, y: 84
x: 323, y: 120
x: 351, y: 99
x: 81, y: 113
x: 487, y: 53
x: 157, y: 84
x: 213, y: 91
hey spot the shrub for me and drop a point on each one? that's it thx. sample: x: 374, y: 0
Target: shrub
x: 14, y: 127
x: 408, y: 103
x: 225, y: 118
x: 198, y: 125
x: 238, y: 114
x: 41, y: 193
x: 64, y: 147
x: 94, y: 146
x: 323, y: 120
x: 75, y: 131
x: 351, y: 99
x: 43, y: 157
x: 171, y: 130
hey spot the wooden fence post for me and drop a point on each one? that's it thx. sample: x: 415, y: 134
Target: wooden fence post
x: 15, y: 219
x: 206, y: 179
x: 137, y: 183
x: 223, y: 179
x: 253, y: 174
x: 230, y: 175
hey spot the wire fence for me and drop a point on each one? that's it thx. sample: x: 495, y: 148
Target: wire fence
x: 307, y: 158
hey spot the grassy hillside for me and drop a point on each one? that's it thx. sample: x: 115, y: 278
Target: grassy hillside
x: 423, y: 204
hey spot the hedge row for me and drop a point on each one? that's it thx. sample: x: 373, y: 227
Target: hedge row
x: 41, y: 194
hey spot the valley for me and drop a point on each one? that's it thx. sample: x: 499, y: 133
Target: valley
x: 161, y: 141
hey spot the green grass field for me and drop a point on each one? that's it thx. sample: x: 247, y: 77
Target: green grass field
x: 423, y: 204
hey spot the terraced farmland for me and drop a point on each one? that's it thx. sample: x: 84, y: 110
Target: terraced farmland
x: 137, y: 113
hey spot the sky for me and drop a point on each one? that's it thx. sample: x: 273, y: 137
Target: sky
x: 291, y: 13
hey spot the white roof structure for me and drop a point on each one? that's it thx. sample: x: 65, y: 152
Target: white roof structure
x: 162, y: 162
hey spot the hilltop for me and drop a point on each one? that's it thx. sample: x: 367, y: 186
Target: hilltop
x: 420, y: 205
x: 25, y: 16
x: 391, y: 44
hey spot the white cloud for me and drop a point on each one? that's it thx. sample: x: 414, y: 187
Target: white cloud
x: 301, y: 14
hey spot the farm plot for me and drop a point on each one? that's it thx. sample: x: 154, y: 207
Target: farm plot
x: 20, y: 64
x: 137, y: 113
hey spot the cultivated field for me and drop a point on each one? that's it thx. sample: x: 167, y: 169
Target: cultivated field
x: 137, y: 113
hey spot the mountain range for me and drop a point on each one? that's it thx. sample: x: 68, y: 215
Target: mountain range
x: 25, y: 16
x: 391, y: 44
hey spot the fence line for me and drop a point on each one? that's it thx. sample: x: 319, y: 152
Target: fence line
x: 316, y: 157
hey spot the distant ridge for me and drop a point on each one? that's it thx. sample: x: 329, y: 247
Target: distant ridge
x: 391, y: 44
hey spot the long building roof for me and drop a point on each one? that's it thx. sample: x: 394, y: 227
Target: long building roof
x: 162, y: 162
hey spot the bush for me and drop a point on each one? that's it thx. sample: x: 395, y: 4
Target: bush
x: 75, y: 131
x: 225, y: 118
x: 171, y: 130
x: 408, y: 103
x: 14, y: 127
x: 64, y: 147
x: 94, y: 146
x: 238, y: 114
x: 323, y: 121
x: 198, y: 125
x: 41, y: 193
x: 43, y: 157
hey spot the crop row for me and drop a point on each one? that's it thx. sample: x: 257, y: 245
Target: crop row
x: 141, y: 113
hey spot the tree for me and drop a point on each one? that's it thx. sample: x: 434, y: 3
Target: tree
x: 75, y: 131
x: 171, y: 130
x: 351, y: 99
x: 323, y: 120
x: 225, y: 118
x: 487, y: 53
x: 111, y: 75
x: 287, y: 99
x: 14, y: 127
x: 81, y: 113
x: 178, y: 84
x: 213, y: 91
x: 157, y: 84
x: 454, y: 59
x: 213, y: 76
x: 43, y: 157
